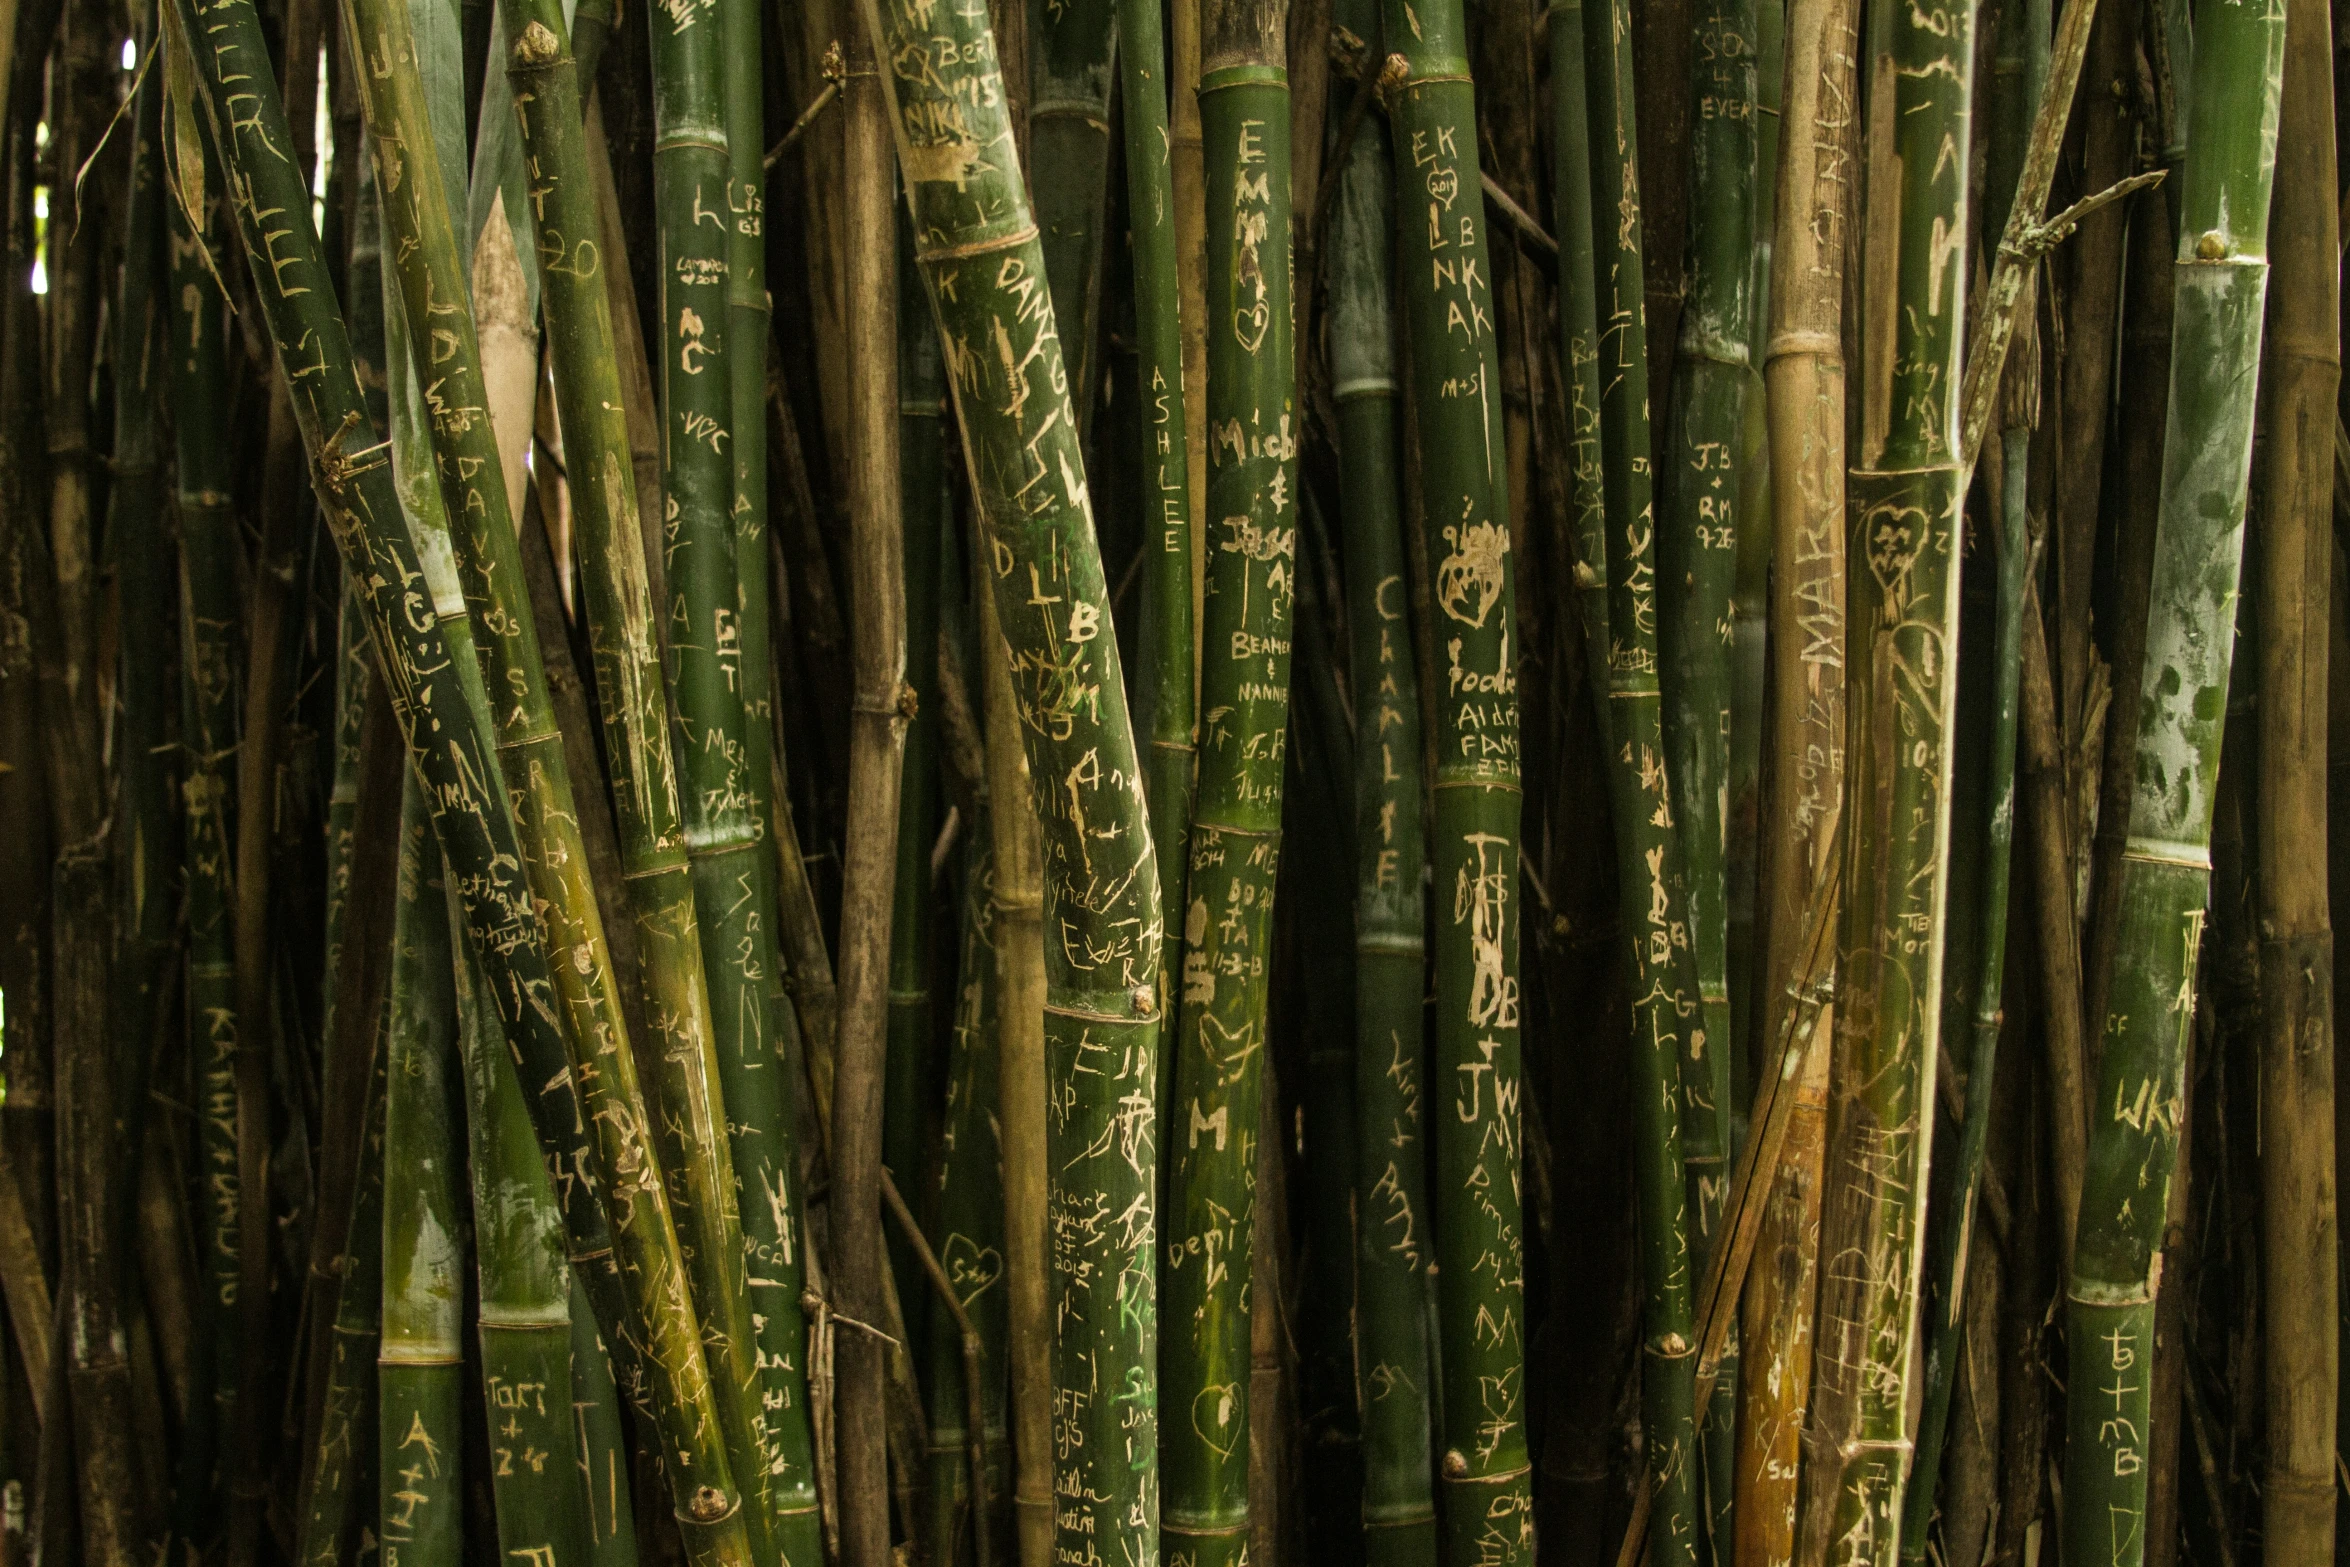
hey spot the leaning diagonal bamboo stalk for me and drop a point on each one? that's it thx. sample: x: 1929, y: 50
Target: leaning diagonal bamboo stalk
x: 1447, y: 312
x: 1803, y: 372
x: 1221, y: 1046
x: 1904, y: 515
x: 445, y: 718
x: 976, y: 244
x: 1607, y: 368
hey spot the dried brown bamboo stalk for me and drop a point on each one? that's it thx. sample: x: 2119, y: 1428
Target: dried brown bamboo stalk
x: 2294, y: 550
x: 869, y: 855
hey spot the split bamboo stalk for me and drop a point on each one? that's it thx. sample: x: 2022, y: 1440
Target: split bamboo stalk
x: 1447, y: 314
x: 2292, y: 596
x: 876, y: 754
x: 1222, y: 1049
x: 1803, y: 372
x: 977, y: 247
x: 1905, y: 511
x: 2221, y: 282
x: 459, y: 767
x: 420, y: 1440
x: 1392, y: 1255
x: 1615, y: 572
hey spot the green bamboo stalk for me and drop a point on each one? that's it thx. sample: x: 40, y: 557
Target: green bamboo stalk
x: 525, y: 1298
x: 1448, y: 320
x: 342, y: 1487
x: 978, y: 251
x: 1614, y: 569
x: 1697, y: 569
x: 443, y: 712
x: 733, y: 886
x: 420, y: 1361
x: 2222, y: 280
x: 1904, y: 516
x: 1235, y: 846
x: 1163, y: 637
x: 1072, y: 46
x: 210, y: 663
x: 2020, y: 77
x: 970, y: 1234
x: 600, y: 1441
x: 654, y: 842
x: 1391, y: 1191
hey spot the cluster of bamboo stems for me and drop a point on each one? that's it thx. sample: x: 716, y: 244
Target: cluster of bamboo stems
x: 1097, y: 781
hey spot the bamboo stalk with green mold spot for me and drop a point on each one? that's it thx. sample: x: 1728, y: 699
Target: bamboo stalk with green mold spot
x: 2221, y: 286
x: 699, y: 1161
x: 1903, y: 515
x: 976, y: 244
x: 1235, y: 840
x: 1607, y: 373
x: 1072, y: 46
x: 1697, y: 568
x: 420, y: 1358
x: 524, y: 1295
x: 609, y: 1172
x: 1164, y: 643
x: 1391, y: 1186
x: 1478, y: 1215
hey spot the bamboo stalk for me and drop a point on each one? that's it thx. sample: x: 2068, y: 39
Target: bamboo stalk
x: 1615, y: 572
x: 1803, y: 372
x: 356, y: 492
x: 420, y: 1441
x: 1904, y: 509
x: 970, y: 1233
x: 1392, y: 1255
x: 1102, y: 1011
x: 2293, y: 591
x: 342, y: 1489
x: 1164, y: 643
x: 2221, y: 282
x: 1473, y: 828
x: 1697, y: 565
x: 210, y: 729
x: 1235, y: 840
x: 1022, y: 1090
x: 1072, y: 49
x: 524, y: 1315
x: 869, y: 848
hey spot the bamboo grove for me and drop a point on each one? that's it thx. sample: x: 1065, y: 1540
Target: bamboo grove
x: 1099, y: 783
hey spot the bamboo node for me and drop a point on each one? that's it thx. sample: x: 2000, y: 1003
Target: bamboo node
x: 2213, y: 246
x: 537, y: 45
x: 709, y: 1504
